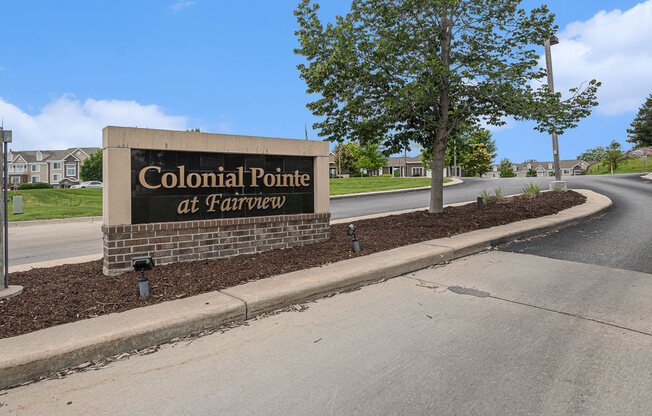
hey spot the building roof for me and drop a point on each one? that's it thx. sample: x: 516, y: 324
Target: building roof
x: 402, y: 160
x: 51, y: 155
x: 563, y: 164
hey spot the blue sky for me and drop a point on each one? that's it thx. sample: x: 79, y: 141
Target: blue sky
x: 67, y: 68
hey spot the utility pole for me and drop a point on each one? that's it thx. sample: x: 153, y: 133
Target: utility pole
x: 555, y: 142
x: 6, y: 139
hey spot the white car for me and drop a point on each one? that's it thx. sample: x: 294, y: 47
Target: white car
x: 89, y: 184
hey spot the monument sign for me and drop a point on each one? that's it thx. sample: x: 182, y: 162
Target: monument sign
x: 182, y: 196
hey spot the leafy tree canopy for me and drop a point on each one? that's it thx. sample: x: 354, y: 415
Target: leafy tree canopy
x: 595, y: 154
x: 414, y: 70
x: 478, y: 161
x: 91, y: 168
x: 505, y: 169
x: 462, y: 142
x: 641, y: 132
x: 613, y: 154
x: 345, y: 157
x: 370, y: 156
x: 531, y: 173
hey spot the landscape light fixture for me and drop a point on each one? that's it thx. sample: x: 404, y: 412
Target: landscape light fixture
x: 356, y: 243
x: 480, y: 202
x: 142, y: 264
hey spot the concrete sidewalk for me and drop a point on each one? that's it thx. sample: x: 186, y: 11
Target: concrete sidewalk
x: 75, y: 343
x: 495, y: 333
x: 647, y: 177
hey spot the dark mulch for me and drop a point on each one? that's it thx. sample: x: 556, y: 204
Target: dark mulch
x: 61, y: 294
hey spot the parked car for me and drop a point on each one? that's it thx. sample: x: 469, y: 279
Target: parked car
x: 88, y: 184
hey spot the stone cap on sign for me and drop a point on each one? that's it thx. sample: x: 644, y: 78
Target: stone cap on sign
x: 118, y: 142
x: 139, y: 138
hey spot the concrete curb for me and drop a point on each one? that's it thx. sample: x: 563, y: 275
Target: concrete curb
x: 11, y: 291
x: 29, y: 356
x: 647, y: 177
x: 55, y: 221
x: 455, y: 181
x: 53, y: 263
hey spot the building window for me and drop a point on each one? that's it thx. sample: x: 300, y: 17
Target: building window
x: 36, y: 179
x: 71, y: 170
x: 541, y: 173
x: 18, y: 168
x: 417, y: 171
x: 39, y: 156
x: 549, y: 165
x: 56, y: 177
x: 15, y: 179
x: 566, y: 171
x: 36, y: 168
x: 495, y: 168
x: 56, y: 165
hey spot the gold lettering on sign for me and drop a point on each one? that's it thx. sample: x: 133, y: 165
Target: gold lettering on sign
x: 194, y: 180
x: 215, y: 202
x: 141, y: 177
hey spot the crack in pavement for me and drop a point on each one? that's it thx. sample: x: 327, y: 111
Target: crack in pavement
x: 459, y: 290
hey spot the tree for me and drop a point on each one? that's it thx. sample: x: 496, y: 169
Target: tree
x: 370, y: 156
x: 478, y: 161
x: 194, y: 130
x: 641, y: 132
x: 506, y: 170
x: 414, y: 70
x: 531, y: 173
x: 595, y: 154
x: 91, y: 168
x: 345, y: 157
x: 462, y: 144
x: 613, y: 154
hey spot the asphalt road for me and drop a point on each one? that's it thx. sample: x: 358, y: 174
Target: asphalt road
x: 492, y: 334
x: 622, y: 239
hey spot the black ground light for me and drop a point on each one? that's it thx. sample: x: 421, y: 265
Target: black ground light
x: 356, y: 243
x: 142, y: 264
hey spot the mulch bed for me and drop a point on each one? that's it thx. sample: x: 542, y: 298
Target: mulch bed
x: 62, y: 294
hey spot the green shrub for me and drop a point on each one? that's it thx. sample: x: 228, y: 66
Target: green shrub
x: 385, y: 175
x: 532, y: 189
x: 557, y: 188
x: 499, y: 192
x: 397, y: 173
x: 531, y: 173
x: 38, y: 185
x: 486, y: 197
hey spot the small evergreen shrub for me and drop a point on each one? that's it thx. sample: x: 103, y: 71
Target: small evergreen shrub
x: 38, y: 185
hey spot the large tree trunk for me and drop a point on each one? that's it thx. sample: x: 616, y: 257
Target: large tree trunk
x: 437, y: 183
x: 441, y: 133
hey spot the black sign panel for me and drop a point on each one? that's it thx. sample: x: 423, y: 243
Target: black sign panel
x: 171, y: 186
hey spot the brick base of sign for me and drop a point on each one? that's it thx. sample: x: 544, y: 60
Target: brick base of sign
x: 172, y: 242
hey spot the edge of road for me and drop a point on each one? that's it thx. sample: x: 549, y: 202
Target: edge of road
x: 55, y: 221
x: 647, y: 177
x: 454, y: 181
x: 27, y: 357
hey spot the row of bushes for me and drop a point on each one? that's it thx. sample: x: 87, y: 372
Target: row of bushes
x: 38, y: 185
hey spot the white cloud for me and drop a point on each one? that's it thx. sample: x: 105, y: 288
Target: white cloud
x: 67, y: 122
x: 182, y: 4
x: 613, y: 47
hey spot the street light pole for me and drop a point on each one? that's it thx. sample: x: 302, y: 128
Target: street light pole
x: 555, y: 142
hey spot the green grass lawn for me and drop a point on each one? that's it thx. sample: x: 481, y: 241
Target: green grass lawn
x: 342, y: 186
x: 625, y: 166
x: 41, y: 204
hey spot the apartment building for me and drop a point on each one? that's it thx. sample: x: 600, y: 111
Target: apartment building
x: 59, y: 168
x: 567, y: 167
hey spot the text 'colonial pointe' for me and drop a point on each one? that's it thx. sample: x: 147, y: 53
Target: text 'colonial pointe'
x: 179, y: 186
